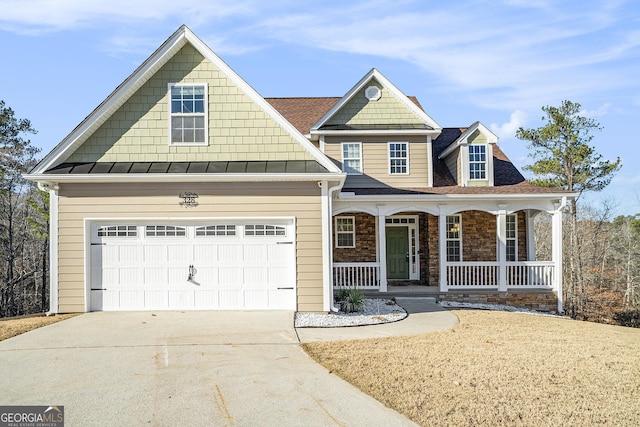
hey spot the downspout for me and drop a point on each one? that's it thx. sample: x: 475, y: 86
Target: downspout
x: 53, y: 246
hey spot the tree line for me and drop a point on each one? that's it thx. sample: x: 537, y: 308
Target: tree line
x: 24, y: 243
x: 601, y: 254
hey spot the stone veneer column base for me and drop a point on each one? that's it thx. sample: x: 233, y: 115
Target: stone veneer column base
x: 539, y: 301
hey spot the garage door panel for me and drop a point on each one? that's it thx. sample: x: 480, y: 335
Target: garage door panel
x: 178, y: 276
x: 155, y: 277
x: 206, y: 299
x: 206, y: 276
x: 256, y: 300
x: 205, y: 253
x: 231, y: 276
x: 229, y: 253
x: 156, y: 299
x: 278, y: 276
x: 131, y: 300
x: 180, y: 253
x: 129, y: 276
x: 255, y: 253
x: 155, y: 253
x: 233, y: 269
x: 255, y: 277
x: 181, y: 299
x: 231, y: 298
x: 128, y: 254
x: 280, y: 253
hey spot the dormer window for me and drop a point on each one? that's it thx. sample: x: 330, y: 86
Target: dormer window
x: 477, y: 162
x: 188, y: 118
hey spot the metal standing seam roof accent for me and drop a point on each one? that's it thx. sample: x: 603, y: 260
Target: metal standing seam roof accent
x: 390, y: 126
x: 253, y: 167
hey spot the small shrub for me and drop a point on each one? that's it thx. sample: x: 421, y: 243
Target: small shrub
x: 350, y: 300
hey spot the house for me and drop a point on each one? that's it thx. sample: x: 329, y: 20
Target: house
x: 185, y: 189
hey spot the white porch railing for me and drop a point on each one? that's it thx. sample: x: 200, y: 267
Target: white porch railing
x: 363, y: 275
x: 477, y: 275
x: 486, y: 275
x: 530, y: 274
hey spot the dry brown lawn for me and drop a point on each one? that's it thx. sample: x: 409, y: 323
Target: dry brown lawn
x: 498, y: 368
x: 16, y: 326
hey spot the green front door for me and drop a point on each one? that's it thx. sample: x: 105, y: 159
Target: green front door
x: 397, y: 250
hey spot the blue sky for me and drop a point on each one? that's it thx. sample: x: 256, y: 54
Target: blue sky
x: 495, y: 61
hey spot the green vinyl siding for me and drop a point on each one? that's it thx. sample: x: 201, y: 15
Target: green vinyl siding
x: 386, y: 110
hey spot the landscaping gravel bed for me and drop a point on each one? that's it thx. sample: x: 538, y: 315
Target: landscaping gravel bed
x: 374, y: 311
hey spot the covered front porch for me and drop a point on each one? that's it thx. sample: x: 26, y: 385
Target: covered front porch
x: 453, y: 249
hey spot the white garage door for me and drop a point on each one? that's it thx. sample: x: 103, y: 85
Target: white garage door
x: 173, y: 266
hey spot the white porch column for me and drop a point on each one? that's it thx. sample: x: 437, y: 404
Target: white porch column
x: 501, y: 226
x: 531, y: 239
x: 382, y: 252
x: 442, y: 250
x: 327, y: 249
x: 556, y: 251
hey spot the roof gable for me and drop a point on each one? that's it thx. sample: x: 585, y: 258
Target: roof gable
x: 391, y: 108
x: 243, y: 126
x: 468, y: 136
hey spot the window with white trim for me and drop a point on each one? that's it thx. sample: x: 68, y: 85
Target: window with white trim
x: 398, y: 158
x: 512, y: 237
x: 165, y: 231
x: 188, y: 118
x: 264, y: 230
x: 352, y: 158
x: 216, y: 230
x: 118, y: 231
x: 345, y: 232
x: 454, y: 238
x: 477, y: 162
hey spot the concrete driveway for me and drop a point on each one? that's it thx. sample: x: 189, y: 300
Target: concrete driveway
x: 181, y: 368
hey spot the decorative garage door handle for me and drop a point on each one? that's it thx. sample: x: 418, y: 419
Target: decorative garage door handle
x: 192, y: 273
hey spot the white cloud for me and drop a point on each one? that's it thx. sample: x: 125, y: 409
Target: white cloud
x: 41, y: 16
x: 508, y: 130
x: 599, y: 112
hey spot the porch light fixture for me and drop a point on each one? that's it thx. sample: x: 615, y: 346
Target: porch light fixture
x: 189, y: 199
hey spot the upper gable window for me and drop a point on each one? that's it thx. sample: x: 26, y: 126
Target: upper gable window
x: 188, y: 117
x: 477, y: 162
x: 398, y: 158
x: 352, y: 158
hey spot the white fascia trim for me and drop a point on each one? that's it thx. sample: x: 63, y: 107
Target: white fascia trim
x: 428, y: 132
x: 167, y: 177
x: 118, y: 97
x: 492, y: 138
x: 387, y: 85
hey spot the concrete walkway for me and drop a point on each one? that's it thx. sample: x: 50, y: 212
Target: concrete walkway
x: 191, y: 368
x: 423, y: 317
